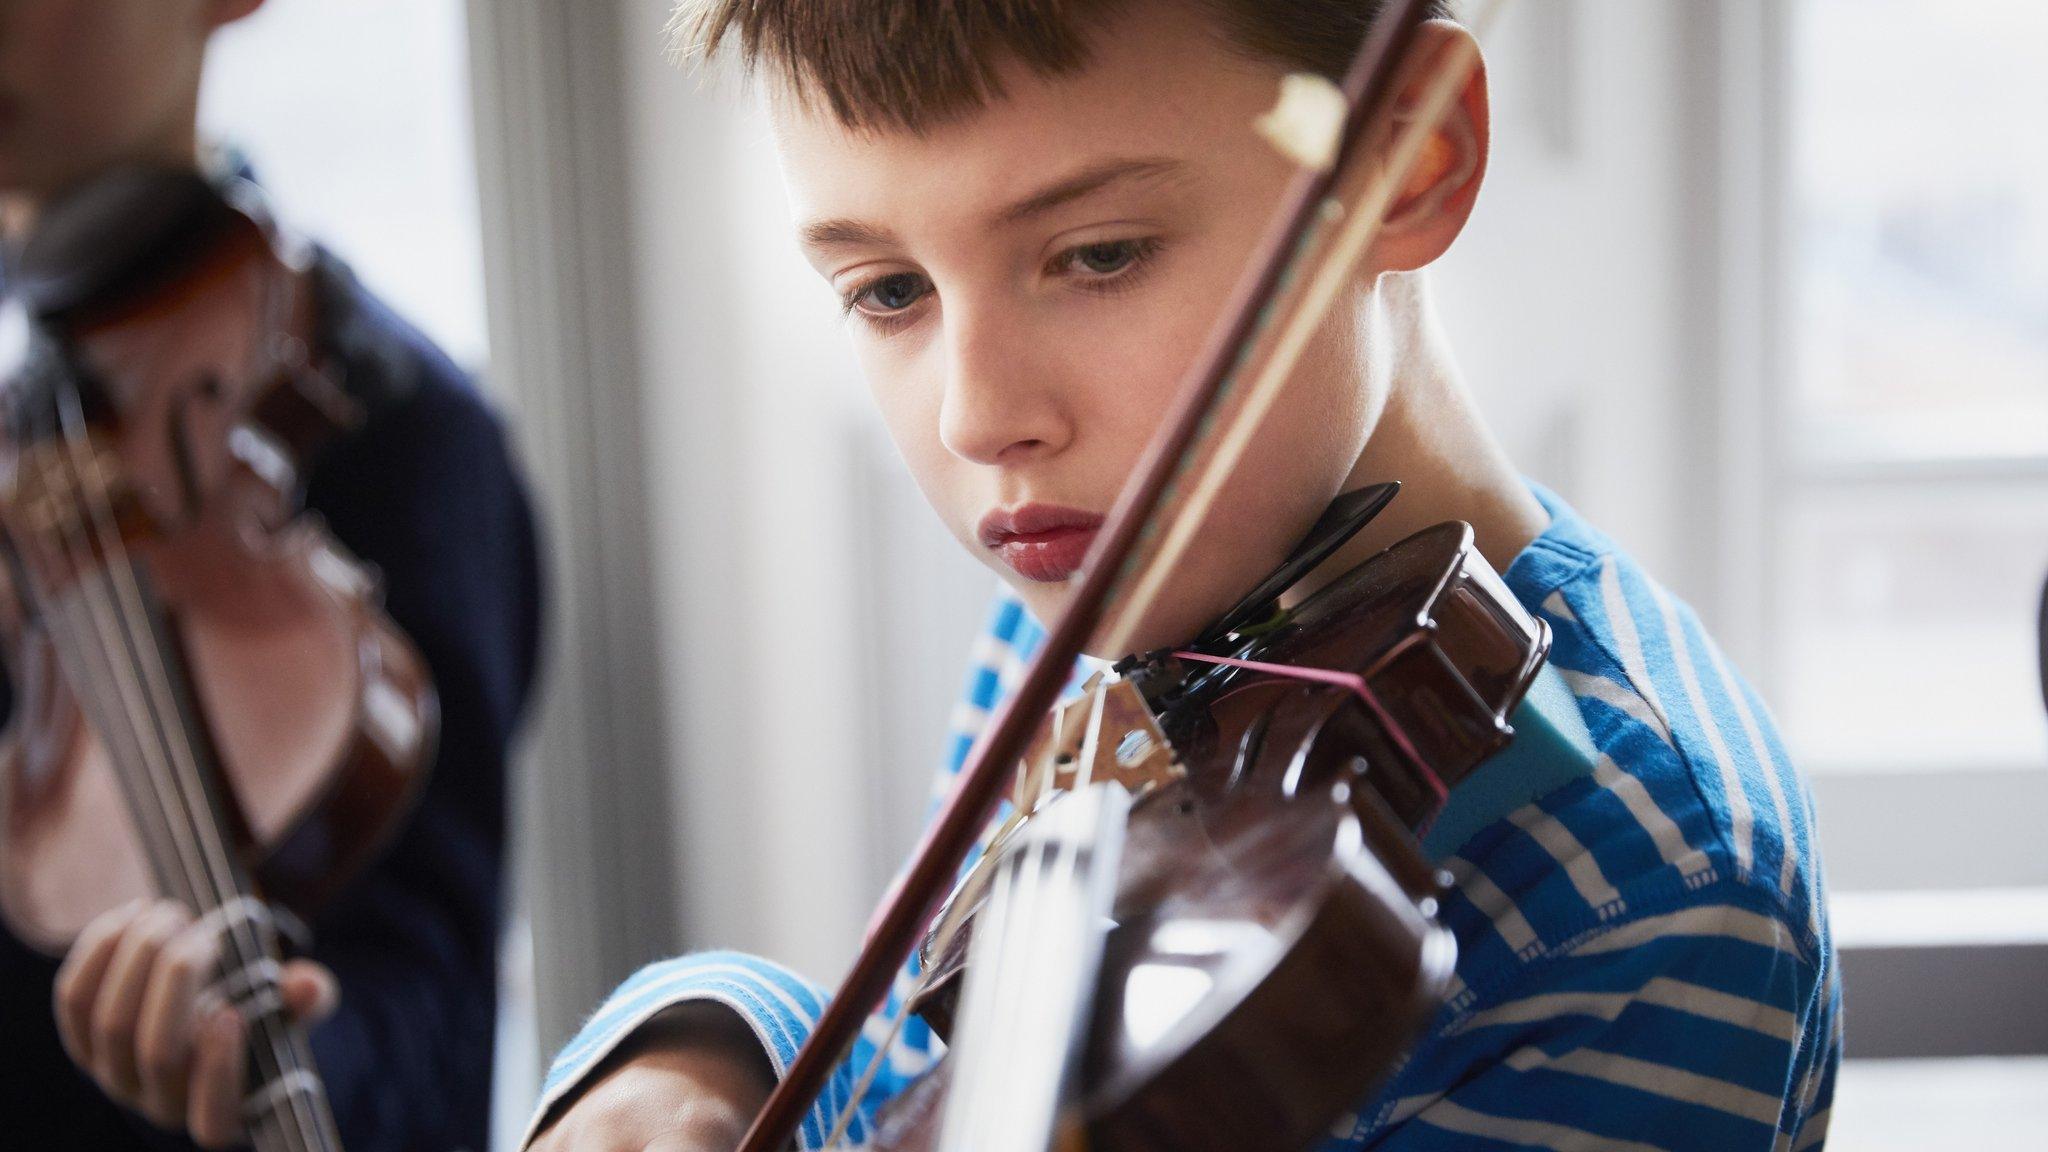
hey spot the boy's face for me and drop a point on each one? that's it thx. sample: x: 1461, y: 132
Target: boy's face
x: 1027, y: 285
x: 87, y: 84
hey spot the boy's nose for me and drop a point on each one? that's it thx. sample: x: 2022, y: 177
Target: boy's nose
x: 999, y: 406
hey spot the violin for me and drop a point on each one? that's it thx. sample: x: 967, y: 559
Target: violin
x: 1207, y: 922
x: 1270, y: 948
x: 209, y: 702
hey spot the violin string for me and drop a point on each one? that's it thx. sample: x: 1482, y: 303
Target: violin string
x: 169, y: 851
x: 956, y: 917
x: 171, y: 800
x: 986, y: 1009
x: 984, y: 995
x: 162, y: 849
x: 979, y: 879
x: 1020, y: 901
x: 1002, y: 1004
x: 297, y: 1082
x: 94, y: 684
x: 1038, y: 1034
x: 1335, y: 269
x: 274, y: 292
x: 44, y: 576
x: 942, y: 941
x: 1054, y: 1031
x: 1033, y: 1039
x: 1356, y: 685
x: 188, y: 878
x: 175, y: 846
x: 131, y: 636
x: 1031, y: 791
x: 199, y: 830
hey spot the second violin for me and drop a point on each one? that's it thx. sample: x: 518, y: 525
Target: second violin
x: 210, y: 703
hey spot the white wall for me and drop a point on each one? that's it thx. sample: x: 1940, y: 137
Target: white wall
x: 355, y: 114
x: 1562, y: 296
x: 817, y: 616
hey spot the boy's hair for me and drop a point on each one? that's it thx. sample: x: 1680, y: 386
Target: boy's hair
x: 912, y: 64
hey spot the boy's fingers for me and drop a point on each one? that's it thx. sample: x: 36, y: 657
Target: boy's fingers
x: 78, y: 981
x: 214, y: 1112
x: 310, y: 991
x: 163, y: 1032
x: 115, y: 1012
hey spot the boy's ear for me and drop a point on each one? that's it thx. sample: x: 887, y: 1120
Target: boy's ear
x: 1437, y: 197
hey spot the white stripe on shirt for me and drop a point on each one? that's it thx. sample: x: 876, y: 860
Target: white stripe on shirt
x: 1813, y: 1131
x: 1573, y: 857
x: 1622, y: 621
x: 1661, y: 829
x: 1660, y: 991
x: 1618, y: 696
x: 1657, y: 1079
x: 1759, y: 747
x: 1452, y: 1117
x: 1489, y: 899
x: 1723, y: 920
x: 1741, y: 821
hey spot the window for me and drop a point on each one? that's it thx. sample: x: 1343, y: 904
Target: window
x: 1912, y: 421
x: 355, y: 115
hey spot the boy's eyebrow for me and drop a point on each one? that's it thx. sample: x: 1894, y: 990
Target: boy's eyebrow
x: 1087, y: 180
x: 845, y: 234
x: 848, y: 233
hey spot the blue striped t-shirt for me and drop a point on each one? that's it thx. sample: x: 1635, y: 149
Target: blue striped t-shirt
x: 1643, y: 951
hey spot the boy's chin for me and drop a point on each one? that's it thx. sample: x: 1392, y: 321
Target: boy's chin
x: 1169, y: 623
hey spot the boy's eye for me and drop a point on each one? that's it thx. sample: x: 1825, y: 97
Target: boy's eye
x: 1108, y: 257
x: 890, y: 293
x: 1106, y: 265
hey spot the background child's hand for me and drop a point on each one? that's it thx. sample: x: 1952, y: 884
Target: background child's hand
x: 690, y: 1080
x: 132, y: 1010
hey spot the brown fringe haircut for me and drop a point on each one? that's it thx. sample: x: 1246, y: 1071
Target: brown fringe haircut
x: 913, y: 64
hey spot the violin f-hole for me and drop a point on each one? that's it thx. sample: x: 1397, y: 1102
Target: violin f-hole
x: 184, y: 460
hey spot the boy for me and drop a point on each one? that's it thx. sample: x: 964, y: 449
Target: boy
x: 1033, y: 211
x: 403, y: 964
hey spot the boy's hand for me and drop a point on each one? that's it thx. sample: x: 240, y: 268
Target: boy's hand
x: 689, y: 1080
x: 134, y: 1011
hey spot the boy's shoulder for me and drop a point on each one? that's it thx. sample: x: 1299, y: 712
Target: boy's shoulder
x: 1693, y: 799
x: 1692, y: 823
x: 1646, y: 941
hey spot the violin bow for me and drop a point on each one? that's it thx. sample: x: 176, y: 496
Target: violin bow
x: 1307, y: 253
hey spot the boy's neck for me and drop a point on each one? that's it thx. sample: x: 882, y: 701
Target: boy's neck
x: 1431, y: 438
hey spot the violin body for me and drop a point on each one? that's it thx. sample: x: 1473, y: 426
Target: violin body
x: 151, y: 472
x: 1273, y: 950
x: 1266, y: 967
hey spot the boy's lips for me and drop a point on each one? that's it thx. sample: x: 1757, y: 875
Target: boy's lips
x: 1042, y: 542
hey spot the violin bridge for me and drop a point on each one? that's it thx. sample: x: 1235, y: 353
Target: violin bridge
x: 1129, y: 747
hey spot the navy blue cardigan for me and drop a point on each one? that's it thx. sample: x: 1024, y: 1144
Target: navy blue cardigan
x: 426, y: 490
